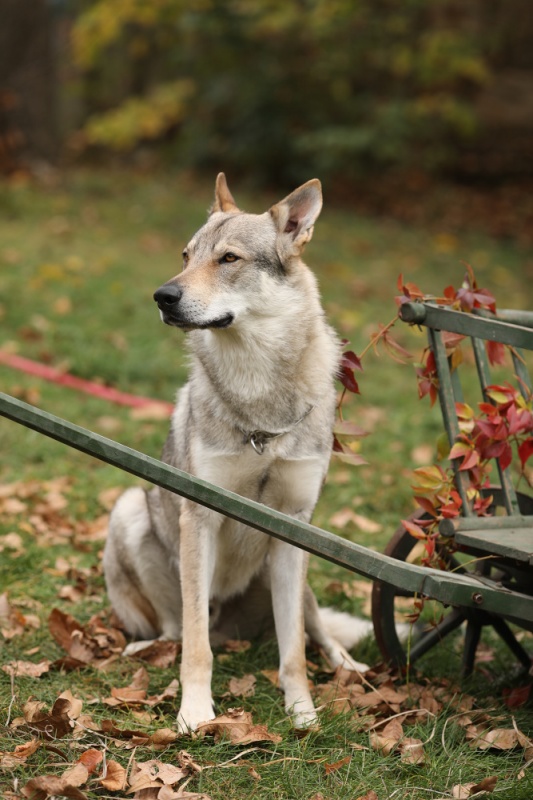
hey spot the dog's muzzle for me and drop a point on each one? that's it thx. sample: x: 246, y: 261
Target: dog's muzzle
x: 168, y: 299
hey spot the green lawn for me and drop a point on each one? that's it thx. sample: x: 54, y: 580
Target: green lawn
x: 79, y: 262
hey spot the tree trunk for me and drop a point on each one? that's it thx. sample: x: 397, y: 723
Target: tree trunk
x: 28, y: 87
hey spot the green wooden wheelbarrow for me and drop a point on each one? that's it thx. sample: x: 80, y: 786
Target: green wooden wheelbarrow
x: 496, y: 550
x: 505, y: 592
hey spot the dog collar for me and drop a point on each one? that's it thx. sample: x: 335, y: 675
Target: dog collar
x: 258, y: 439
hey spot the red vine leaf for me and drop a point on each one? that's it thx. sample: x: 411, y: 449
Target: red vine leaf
x: 347, y: 378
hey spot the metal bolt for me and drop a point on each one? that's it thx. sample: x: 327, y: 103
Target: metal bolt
x: 477, y: 597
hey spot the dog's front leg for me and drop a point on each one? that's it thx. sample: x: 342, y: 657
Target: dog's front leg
x: 196, y: 571
x: 288, y: 569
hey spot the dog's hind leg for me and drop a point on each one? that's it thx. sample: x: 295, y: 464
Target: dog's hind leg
x: 350, y: 628
x: 142, y: 583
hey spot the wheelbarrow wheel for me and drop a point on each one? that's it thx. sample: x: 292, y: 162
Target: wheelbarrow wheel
x: 400, y: 644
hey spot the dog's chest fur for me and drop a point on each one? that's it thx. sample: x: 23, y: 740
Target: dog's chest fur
x: 291, y: 486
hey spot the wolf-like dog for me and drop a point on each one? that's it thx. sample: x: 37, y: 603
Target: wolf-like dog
x: 256, y: 418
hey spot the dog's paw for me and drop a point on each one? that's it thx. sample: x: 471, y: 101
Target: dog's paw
x: 303, y: 718
x: 340, y: 657
x: 189, y: 719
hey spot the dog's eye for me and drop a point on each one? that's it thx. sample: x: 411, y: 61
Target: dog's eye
x: 185, y: 258
x: 228, y: 258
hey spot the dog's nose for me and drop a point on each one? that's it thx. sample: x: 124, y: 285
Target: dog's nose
x: 168, y: 295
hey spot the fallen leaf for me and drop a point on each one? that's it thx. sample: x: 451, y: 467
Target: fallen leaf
x: 90, y: 759
x: 497, y: 739
x: 146, y: 774
x: 160, y: 653
x: 236, y: 645
x: 341, y: 519
x: 461, y: 791
x: 27, y: 668
x: 518, y: 696
x: 242, y: 687
x: 236, y: 727
x: 162, y: 738
x: 76, y: 704
x: 114, y: 778
x: 76, y: 775
x: 271, y: 675
x: 388, y: 738
x: 50, y: 786
x: 412, y: 751
x: 53, y: 725
x: 21, y: 753
x: 337, y: 765
x: 486, y: 785
x: 370, y: 795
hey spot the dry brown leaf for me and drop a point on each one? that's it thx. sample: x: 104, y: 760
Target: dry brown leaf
x: 27, y: 669
x: 388, y: 738
x: 51, y: 786
x: 62, y: 626
x: 271, y: 675
x: 497, y: 739
x: 461, y: 791
x: 93, y: 643
x: 90, y: 759
x: 162, y: 738
x: 236, y: 645
x: 154, y: 774
x: 412, y: 751
x: 53, y: 725
x: 76, y: 704
x: 337, y: 764
x: 160, y: 653
x: 115, y: 777
x: 242, y: 687
x: 346, y: 515
x: 486, y: 785
x: 21, y: 753
x: 253, y: 773
x: 236, y: 727
x: 170, y: 693
x: 76, y: 775
x: 370, y: 795
x: 125, y: 697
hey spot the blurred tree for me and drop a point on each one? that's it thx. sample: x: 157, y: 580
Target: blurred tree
x: 273, y: 86
x: 28, y: 120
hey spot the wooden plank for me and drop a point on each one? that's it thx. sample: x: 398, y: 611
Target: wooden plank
x: 510, y: 543
x: 451, y: 589
x: 444, y: 319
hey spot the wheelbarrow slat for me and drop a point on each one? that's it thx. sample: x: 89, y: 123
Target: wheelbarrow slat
x: 514, y: 543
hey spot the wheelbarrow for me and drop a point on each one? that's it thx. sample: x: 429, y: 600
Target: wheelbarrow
x: 496, y: 550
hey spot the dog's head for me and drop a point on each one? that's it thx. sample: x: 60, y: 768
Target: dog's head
x: 238, y: 262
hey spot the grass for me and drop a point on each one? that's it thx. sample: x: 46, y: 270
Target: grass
x: 78, y: 264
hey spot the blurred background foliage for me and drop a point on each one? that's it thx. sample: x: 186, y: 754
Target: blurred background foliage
x: 341, y: 88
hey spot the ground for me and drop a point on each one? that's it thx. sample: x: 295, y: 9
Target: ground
x: 80, y: 260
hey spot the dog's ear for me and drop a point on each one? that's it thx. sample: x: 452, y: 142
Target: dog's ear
x: 223, y: 198
x: 295, y: 216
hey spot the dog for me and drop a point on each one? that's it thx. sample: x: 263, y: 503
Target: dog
x: 256, y: 418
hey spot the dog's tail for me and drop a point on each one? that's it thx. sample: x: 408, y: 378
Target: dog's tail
x: 350, y: 630
x: 345, y: 628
